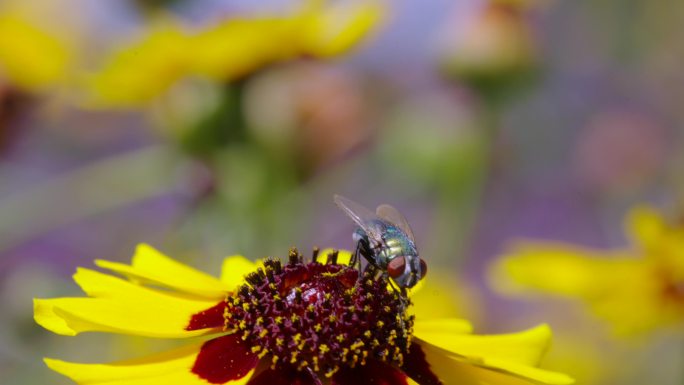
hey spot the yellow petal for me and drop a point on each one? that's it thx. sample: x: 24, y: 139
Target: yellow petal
x: 234, y: 270
x: 448, y: 326
x: 657, y: 239
x: 119, y: 307
x: 70, y: 316
x: 563, y: 269
x: 454, y: 369
x: 30, y: 57
x: 526, y: 347
x: 439, y: 296
x: 594, y: 277
x: 529, y: 373
x: 101, y: 285
x: 645, y: 226
x: 162, y: 369
x: 340, y: 27
x: 142, y: 71
x: 151, y: 266
x: 237, y: 47
x: 448, y: 370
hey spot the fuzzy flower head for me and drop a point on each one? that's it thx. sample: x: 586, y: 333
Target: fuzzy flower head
x: 228, y: 50
x: 302, y: 321
x: 637, y: 288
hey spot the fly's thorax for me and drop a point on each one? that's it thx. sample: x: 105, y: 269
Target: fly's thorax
x: 396, y: 244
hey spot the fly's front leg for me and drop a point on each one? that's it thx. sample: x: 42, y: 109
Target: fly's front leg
x: 372, y: 267
x: 355, y: 256
x: 355, y: 260
x: 401, y: 292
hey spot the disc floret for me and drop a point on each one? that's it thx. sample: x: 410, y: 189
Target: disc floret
x: 319, y: 316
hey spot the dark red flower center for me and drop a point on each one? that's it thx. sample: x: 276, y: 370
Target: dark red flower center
x: 319, y: 317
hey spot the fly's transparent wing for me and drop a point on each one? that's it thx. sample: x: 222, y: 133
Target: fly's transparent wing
x: 362, y: 216
x: 393, y: 216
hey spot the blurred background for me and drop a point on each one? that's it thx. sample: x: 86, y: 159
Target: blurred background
x: 215, y: 127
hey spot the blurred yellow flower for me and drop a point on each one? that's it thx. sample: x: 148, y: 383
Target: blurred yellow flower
x: 304, y: 321
x: 31, y: 59
x: 637, y: 288
x: 228, y: 50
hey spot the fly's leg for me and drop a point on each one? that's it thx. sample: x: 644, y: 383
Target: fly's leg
x: 355, y: 256
x: 401, y: 292
x: 355, y: 261
x: 363, y: 250
x: 378, y: 273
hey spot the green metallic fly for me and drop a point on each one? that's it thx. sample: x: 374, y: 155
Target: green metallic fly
x: 385, y: 240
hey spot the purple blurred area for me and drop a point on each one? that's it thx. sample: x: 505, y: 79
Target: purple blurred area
x: 482, y: 121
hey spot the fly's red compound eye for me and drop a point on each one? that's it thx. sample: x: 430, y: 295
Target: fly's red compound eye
x: 423, y: 268
x: 396, y: 267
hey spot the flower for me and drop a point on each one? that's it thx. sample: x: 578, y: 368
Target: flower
x: 636, y: 288
x: 228, y: 50
x: 302, y: 322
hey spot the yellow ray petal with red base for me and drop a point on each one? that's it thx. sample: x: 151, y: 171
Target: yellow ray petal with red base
x: 516, y: 353
x: 454, y: 372
x: 71, y: 316
x: 458, y: 370
x: 526, y: 347
x: 172, y: 367
x: 152, y: 267
x: 101, y: 285
x: 119, y: 306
